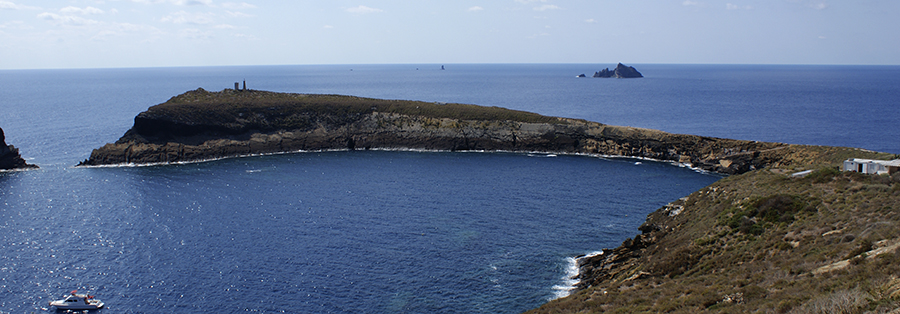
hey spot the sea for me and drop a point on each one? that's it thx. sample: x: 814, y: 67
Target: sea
x: 377, y: 231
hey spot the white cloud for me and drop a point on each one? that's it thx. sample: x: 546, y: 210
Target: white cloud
x: 244, y: 36
x: 541, y: 34
x: 193, y: 33
x: 182, y: 17
x: 130, y: 28
x: 192, y: 2
x: 176, y: 2
x: 363, y: 10
x: 109, y: 31
x: 12, y: 6
x: 689, y: 3
x: 77, y: 10
x: 238, y: 14
x: 238, y: 6
x: 70, y: 20
x: 546, y: 7
x: 148, y: 1
x: 818, y: 5
x: 104, y: 35
x: 15, y: 25
x: 476, y: 9
x: 729, y: 6
x: 225, y: 26
x: 327, y: 27
x: 590, y: 21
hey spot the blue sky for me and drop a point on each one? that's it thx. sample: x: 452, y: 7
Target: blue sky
x: 151, y: 33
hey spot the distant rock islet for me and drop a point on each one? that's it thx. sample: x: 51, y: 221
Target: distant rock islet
x: 621, y: 71
x: 9, y: 156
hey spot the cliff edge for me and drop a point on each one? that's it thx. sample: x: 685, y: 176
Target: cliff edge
x: 201, y: 125
x: 759, y: 242
x: 9, y: 156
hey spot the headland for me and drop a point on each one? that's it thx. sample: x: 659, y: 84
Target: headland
x: 201, y: 125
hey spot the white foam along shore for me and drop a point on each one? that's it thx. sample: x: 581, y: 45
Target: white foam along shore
x: 570, y: 279
x: 534, y: 153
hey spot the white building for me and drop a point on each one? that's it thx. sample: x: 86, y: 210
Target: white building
x: 871, y: 166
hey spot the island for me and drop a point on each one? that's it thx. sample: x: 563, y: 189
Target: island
x: 621, y: 71
x: 785, y: 230
x: 10, y: 158
x: 203, y: 125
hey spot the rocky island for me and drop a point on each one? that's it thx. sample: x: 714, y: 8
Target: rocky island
x: 763, y: 239
x: 10, y: 158
x: 201, y: 125
x: 621, y: 71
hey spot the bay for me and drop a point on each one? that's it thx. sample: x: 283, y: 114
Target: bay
x: 376, y: 231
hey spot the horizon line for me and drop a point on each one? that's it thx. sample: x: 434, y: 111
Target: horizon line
x: 437, y: 64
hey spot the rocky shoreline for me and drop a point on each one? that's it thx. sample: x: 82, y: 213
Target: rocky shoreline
x: 202, y: 125
x: 10, y: 159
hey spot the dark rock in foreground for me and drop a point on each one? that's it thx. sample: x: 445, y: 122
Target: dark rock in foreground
x: 621, y: 71
x: 9, y: 156
x: 201, y: 125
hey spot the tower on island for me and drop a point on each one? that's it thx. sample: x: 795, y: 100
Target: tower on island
x: 237, y: 86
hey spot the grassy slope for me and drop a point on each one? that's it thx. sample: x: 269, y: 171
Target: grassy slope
x: 753, y: 243
x: 228, y: 105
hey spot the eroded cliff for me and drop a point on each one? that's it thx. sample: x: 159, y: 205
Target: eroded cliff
x: 200, y: 125
x: 9, y: 156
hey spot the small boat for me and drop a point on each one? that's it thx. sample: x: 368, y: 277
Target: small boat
x: 75, y: 301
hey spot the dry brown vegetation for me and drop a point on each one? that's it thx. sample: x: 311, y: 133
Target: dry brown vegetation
x: 764, y: 242
x: 228, y: 105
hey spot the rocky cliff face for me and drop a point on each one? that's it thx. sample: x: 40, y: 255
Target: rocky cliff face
x: 758, y: 242
x: 621, y: 71
x: 9, y: 156
x: 199, y: 129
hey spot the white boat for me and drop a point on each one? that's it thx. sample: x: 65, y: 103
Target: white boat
x: 75, y: 301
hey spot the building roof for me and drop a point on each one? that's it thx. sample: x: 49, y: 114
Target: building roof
x: 894, y: 163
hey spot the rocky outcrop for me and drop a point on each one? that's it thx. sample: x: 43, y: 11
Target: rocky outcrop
x: 9, y: 156
x: 621, y: 71
x: 761, y: 241
x: 201, y: 125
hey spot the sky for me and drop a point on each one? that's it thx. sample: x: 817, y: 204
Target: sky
x: 37, y: 34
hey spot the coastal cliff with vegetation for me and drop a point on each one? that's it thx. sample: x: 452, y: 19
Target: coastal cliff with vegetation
x: 10, y: 159
x: 759, y: 240
x: 202, y: 125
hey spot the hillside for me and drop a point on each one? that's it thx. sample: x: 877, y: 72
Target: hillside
x: 763, y: 242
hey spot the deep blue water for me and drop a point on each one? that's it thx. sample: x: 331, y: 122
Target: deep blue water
x: 385, y: 232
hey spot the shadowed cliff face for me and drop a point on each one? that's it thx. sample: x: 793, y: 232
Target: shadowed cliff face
x: 201, y: 125
x: 9, y: 156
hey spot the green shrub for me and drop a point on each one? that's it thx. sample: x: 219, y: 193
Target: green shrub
x: 823, y: 175
x: 863, y: 247
x: 780, y: 208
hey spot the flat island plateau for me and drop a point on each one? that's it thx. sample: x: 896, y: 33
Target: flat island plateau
x: 760, y: 240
